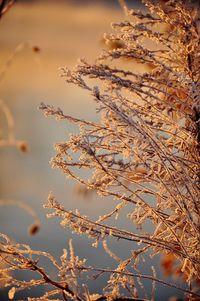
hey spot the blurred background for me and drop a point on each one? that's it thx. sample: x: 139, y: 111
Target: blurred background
x: 36, y: 39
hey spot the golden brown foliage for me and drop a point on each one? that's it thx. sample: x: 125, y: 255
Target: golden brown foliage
x: 143, y: 152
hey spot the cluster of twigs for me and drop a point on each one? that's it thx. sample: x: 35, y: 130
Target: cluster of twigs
x: 143, y: 152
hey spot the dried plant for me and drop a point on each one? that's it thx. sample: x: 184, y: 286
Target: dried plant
x: 143, y: 152
x: 7, y: 129
x: 5, y: 5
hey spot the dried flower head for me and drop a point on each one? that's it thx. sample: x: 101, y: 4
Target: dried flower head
x: 34, y: 229
x: 23, y: 146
